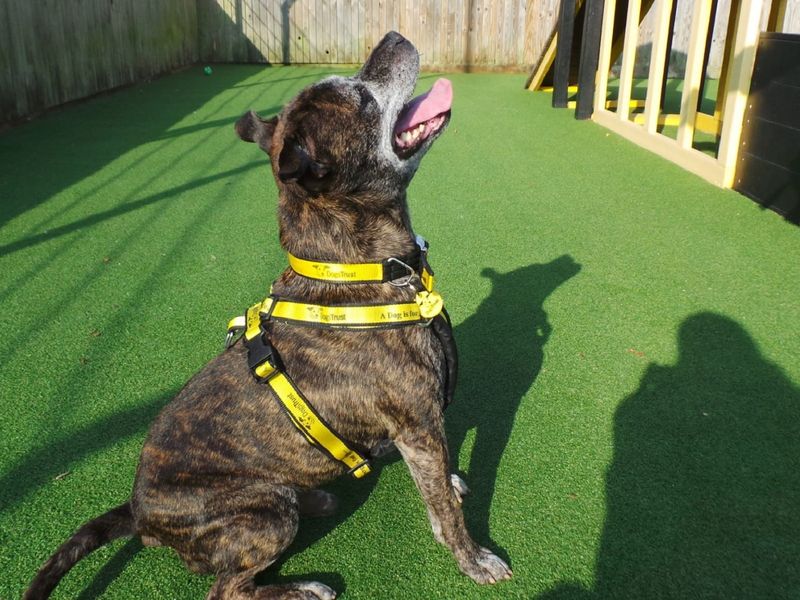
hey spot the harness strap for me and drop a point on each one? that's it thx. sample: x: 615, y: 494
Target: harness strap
x: 355, y: 316
x: 443, y: 329
x: 263, y: 361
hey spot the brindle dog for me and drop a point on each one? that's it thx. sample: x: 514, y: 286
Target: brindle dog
x: 224, y: 475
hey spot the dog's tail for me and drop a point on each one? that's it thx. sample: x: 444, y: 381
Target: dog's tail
x: 117, y: 522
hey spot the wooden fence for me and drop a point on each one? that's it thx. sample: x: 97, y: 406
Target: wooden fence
x: 55, y: 51
x: 450, y: 34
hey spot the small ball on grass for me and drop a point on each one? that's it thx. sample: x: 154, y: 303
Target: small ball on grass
x: 207, y: 71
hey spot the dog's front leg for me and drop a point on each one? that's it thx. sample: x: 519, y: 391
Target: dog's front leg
x: 425, y: 453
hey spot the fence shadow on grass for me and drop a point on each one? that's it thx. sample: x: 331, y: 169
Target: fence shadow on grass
x: 40, y: 466
x: 94, y: 133
x: 704, y: 486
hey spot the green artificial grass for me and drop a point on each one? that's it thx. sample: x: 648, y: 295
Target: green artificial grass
x: 628, y: 413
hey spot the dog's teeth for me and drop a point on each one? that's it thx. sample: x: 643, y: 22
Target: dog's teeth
x: 405, y: 136
x: 415, y: 134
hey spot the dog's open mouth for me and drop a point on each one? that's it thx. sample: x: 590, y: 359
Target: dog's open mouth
x: 422, y: 117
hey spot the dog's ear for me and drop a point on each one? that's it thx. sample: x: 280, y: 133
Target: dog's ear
x: 252, y: 128
x: 294, y: 164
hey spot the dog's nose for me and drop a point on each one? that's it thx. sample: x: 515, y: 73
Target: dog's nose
x: 393, y: 38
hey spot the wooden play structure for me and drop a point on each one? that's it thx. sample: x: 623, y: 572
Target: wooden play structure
x: 598, y: 35
x: 733, y: 87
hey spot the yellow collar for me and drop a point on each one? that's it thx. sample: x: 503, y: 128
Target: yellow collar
x: 398, y: 271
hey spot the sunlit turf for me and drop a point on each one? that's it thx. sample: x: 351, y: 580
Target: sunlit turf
x: 628, y: 413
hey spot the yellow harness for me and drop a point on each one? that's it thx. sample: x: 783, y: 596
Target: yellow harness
x: 264, y: 361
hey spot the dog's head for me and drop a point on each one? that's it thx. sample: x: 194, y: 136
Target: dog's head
x: 357, y: 136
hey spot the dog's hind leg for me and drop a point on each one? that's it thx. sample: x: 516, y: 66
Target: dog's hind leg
x: 251, y: 528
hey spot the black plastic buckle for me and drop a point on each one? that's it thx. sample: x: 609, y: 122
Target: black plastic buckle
x: 259, y: 351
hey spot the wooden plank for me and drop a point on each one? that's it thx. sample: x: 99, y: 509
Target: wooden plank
x: 705, y: 123
x: 777, y: 15
x: 658, y: 58
x: 694, y: 73
x: 459, y: 35
x: 727, y: 63
x: 791, y: 22
x: 628, y: 58
x: 448, y: 36
x: 590, y: 49
x: 536, y: 78
x: 692, y: 160
x: 707, y: 53
x: 747, y: 29
x: 604, y: 60
x: 566, y: 28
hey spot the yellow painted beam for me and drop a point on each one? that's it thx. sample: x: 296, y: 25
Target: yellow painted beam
x: 705, y: 123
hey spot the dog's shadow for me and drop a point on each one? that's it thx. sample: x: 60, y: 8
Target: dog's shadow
x: 501, y: 350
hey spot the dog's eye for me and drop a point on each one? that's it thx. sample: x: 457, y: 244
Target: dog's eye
x: 366, y: 100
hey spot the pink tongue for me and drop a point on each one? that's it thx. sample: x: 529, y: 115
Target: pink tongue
x: 422, y: 108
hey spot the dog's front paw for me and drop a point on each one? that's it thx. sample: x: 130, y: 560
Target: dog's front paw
x: 486, y: 567
x: 459, y: 486
x: 316, y: 591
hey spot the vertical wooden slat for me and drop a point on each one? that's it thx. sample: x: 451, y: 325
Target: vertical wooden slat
x: 745, y: 44
x: 777, y: 15
x: 295, y: 17
x: 364, y: 15
x: 373, y: 25
x: 604, y: 61
x: 694, y: 72
x: 722, y: 84
x: 707, y: 53
x: 528, y: 49
x: 590, y: 48
x: 566, y: 28
x: 486, y: 32
x: 658, y: 58
x: 628, y: 59
x: 673, y: 16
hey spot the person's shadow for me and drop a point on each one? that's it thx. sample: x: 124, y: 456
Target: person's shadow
x: 703, y: 494
x: 500, y: 350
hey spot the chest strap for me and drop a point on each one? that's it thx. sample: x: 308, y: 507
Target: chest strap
x: 263, y: 362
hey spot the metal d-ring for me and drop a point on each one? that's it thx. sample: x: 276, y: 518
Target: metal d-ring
x: 405, y: 280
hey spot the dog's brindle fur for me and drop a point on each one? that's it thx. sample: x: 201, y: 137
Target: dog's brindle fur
x: 224, y: 475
